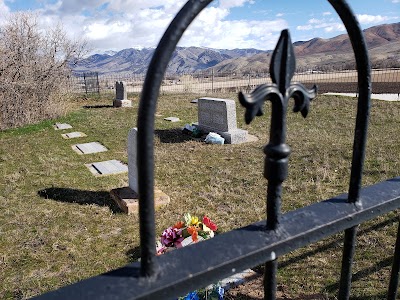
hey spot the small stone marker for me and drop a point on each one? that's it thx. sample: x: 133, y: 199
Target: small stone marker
x: 194, y: 101
x: 61, y: 126
x: 172, y: 119
x: 108, y: 167
x: 127, y: 197
x: 219, y: 115
x: 72, y: 135
x: 89, y: 148
x: 121, y: 99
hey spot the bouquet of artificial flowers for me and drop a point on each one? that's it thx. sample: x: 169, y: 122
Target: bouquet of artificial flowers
x: 184, y: 233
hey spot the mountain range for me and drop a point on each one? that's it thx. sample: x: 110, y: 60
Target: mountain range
x: 383, y: 42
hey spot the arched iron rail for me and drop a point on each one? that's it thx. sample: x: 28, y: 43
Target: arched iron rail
x: 147, y: 111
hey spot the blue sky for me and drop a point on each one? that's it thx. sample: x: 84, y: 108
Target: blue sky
x: 119, y: 24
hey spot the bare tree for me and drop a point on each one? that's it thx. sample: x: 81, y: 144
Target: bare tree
x: 34, y: 67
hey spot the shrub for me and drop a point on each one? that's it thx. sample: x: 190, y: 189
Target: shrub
x: 33, y: 70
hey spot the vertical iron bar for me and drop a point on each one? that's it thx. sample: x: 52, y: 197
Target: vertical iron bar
x: 98, y: 84
x: 212, y: 81
x: 84, y: 81
x: 347, y: 262
x: 394, y: 276
x: 270, y: 283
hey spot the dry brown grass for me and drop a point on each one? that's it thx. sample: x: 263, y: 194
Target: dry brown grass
x: 59, y: 225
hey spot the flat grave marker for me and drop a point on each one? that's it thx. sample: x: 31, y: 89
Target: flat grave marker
x: 89, y: 148
x: 172, y: 119
x: 108, y: 167
x: 72, y: 135
x: 62, y: 126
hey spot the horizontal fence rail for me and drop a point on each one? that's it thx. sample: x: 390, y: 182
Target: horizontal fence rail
x: 344, y: 81
x: 257, y: 245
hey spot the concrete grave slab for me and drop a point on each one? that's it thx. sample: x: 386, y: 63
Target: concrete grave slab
x: 62, y: 126
x: 108, y: 167
x: 72, y: 135
x: 128, y: 200
x: 89, y: 148
x: 172, y: 119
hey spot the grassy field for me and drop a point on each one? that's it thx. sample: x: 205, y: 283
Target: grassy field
x: 58, y: 224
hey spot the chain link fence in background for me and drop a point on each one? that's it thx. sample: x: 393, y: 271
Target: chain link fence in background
x: 345, y: 81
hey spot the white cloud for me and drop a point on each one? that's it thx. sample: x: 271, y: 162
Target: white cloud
x: 211, y: 29
x: 4, y: 11
x: 227, y: 4
x: 304, y: 27
x: 370, y: 19
x: 120, y: 24
x: 328, y: 25
x: 326, y: 13
x: 395, y: 1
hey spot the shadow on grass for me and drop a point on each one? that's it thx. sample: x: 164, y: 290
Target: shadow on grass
x: 174, y: 135
x: 98, y: 106
x: 387, y: 262
x: 133, y: 254
x: 336, y: 243
x: 101, y: 198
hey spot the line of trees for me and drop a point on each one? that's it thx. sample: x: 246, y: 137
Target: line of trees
x: 34, y: 70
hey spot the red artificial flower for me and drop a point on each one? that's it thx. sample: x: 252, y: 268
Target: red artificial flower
x: 210, y: 224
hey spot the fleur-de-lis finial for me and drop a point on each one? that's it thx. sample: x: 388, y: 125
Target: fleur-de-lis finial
x: 283, y: 62
x: 282, y: 68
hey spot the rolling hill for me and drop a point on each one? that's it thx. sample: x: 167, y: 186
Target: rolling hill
x: 383, y: 42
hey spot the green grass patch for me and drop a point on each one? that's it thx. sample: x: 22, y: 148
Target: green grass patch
x: 58, y: 224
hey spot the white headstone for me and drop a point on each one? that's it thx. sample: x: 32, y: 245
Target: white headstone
x: 132, y: 160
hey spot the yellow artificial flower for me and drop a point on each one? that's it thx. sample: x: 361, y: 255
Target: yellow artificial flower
x: 194, y: 221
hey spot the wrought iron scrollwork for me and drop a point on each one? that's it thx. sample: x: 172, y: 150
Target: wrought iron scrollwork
x: 282, y: 69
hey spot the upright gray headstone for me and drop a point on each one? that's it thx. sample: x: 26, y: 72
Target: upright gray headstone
x: 132, y: 160
x: 121, y: 99
x: 120, y: 91
x: 219, y: 115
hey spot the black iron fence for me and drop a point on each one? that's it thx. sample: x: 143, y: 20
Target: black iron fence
x: 174, y: 273
x: 208, y: 82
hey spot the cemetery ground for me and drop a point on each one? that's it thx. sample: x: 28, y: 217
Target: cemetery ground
x: 59, y: 225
